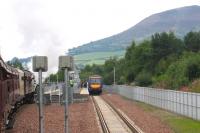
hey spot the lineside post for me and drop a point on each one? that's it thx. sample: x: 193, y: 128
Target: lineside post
x: 40, y: 65
x: 66, y: 63
x: 41, y: 117
x: 66, y: 101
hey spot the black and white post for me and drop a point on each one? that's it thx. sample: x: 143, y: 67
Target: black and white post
x: 66, y: 63
x: 40, y: 64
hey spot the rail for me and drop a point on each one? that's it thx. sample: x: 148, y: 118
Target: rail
x: 132, y: 127
x: 126, y: 120
x: 104, y: 126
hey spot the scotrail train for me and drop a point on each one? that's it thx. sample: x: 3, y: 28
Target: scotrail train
x: 95, y: 84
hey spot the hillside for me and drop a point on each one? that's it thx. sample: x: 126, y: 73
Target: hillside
x: 180, y: 21
x: 96, y: 58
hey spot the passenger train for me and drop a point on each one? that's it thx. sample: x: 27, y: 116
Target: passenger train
x: 95, y: 84
x: 16, y: 88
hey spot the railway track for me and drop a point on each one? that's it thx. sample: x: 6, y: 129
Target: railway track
x: 113, y: 120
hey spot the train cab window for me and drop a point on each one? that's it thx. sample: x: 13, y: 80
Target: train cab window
x: 95, y: 80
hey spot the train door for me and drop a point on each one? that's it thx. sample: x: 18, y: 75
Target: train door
x: 1, y: 91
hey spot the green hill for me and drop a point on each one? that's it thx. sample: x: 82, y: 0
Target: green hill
x: 96, y: 57
x: 180, y: 21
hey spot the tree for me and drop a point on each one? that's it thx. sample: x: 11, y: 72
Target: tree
x: 164, y: 44
x: 15, y: 62
x: 138, y: 58
x: 192, y: 41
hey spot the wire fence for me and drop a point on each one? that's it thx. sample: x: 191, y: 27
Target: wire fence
x: 183, y: 103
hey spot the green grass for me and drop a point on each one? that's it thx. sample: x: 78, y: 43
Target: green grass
x: 179, y: 124
x: 97, y: 57
x: 184, y: 125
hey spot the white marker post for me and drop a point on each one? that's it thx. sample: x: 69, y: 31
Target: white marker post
x: 66, y: 63
x: 40, y: 64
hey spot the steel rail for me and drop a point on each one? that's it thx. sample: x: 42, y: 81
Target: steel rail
x: 132, y: 127
x: 104, y: 126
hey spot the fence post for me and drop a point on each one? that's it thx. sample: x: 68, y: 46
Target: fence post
x: 196, y: 107
x: 176, y: 103
x: 187, y: 104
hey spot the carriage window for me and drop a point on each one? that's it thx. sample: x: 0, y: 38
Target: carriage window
x: 8, y: 88
x: 1, y: 75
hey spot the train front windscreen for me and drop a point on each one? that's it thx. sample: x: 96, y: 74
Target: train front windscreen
x: 95, y: 80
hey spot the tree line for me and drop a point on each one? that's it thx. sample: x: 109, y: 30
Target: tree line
x: 163, y: 61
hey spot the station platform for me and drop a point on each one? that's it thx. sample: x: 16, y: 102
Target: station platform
x: 84, y: 91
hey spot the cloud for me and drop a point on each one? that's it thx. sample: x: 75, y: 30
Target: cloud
x: 39, y: 37
x: 50, y: 27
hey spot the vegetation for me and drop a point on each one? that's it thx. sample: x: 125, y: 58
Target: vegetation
x: 57, y: 77
x: 162, y: 61
x: 15, y: 62
x: 179, y: 124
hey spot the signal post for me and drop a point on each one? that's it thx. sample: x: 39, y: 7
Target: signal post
x: 40, y: 64
x: 66, y: 64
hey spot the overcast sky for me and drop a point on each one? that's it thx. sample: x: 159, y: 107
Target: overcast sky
x: 50, y: 27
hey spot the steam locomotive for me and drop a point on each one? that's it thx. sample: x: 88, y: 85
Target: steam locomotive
x: 16, y: 88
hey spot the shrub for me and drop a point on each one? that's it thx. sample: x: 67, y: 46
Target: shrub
x: 181, y: 72
x: 195, y: 86
x: 143, y: 79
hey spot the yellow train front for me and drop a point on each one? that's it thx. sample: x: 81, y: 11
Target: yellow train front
x: 95, y: 84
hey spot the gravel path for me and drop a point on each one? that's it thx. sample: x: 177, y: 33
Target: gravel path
x: 147, y: 122
x: 82, y: 119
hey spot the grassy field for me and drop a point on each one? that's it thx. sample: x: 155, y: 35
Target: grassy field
x: 179, y: 124
x: 97, y: 57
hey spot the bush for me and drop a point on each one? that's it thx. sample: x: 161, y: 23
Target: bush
x: 181, y: 72
x: 195, y: 86
x: 143, y: 79
x: 122, y: 80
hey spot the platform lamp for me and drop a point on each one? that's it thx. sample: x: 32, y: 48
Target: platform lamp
x: 40, y: 64
x: 66, y: 63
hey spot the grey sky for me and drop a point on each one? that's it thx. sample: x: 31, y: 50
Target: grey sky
x: 50, y: 27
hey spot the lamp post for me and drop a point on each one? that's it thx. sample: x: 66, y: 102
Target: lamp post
x: 40, y: 64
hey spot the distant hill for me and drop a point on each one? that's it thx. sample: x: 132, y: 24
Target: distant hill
x: 180, y: 21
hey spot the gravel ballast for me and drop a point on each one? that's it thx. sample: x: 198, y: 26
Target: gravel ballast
x: 147, y: 122
x: 82, y: 119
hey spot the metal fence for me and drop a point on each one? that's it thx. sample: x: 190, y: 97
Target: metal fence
x: 184, y: 103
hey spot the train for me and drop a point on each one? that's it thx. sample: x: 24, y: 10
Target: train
x: 95, y: 84
x: 16, y: 88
